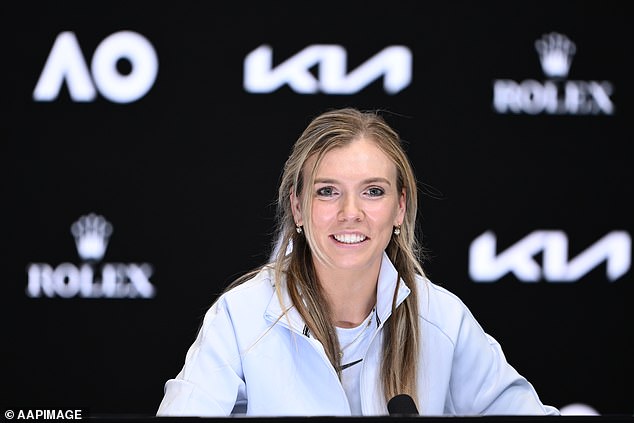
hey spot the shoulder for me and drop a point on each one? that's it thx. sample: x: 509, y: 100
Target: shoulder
x: 442, y: 311
x: 240, y: 311
x: 263, y: 279
x: 434, y: 299
x: 247, y: 300
x: 253, y: 292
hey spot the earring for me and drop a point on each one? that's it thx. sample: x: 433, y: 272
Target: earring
x: 299, y: 229
x: 397, y: 230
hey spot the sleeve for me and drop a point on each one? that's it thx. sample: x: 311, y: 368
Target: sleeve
x: 483, y: 382
x: 211, y: 382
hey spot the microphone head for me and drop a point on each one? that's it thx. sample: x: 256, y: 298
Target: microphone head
x: 402, y: 404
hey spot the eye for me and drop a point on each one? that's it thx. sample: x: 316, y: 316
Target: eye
x: 375, y: 192
x: 325, y: 192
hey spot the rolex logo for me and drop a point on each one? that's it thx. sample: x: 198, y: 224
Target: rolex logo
x: 91, y: 278
x: 556, y: 94
x: 555, y: 54
x: 91, y: 233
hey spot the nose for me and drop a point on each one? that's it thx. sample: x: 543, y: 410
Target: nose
x: 351, y: 209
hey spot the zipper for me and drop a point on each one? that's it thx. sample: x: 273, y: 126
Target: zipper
x: 319, y: 349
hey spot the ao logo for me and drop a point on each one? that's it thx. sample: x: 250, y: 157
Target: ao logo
x: 66, y: 63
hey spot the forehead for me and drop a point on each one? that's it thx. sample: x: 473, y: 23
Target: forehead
x: 361, y: 158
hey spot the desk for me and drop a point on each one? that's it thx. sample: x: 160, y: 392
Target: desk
x: 374, y: 419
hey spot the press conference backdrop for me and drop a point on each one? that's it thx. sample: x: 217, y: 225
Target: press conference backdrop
x: 142, y: 143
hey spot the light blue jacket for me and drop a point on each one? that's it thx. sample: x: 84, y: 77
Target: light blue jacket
x: 246, y: 359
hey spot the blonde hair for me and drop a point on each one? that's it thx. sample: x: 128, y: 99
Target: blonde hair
x: 293, y: 257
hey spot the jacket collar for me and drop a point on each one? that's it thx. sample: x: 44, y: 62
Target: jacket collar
x: 278, y: 306
x: 388, y: 278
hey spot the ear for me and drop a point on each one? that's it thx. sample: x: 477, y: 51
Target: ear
x: 402, y: 207
x: 296, y: 208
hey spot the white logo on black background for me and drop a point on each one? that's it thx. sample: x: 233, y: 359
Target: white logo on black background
x: 393, y: 63
x: 66, y: 63
x: 486, y: 264
x: 555, y: 95
x: 89, y: 279
x: 91, y: 233
x: 555, y: 54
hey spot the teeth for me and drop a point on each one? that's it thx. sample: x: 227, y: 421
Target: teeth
x: 349, y: 238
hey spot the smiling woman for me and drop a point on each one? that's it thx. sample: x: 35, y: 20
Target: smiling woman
x: 343, y: 319
x: 354, y: 206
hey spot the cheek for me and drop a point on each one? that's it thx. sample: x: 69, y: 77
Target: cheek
x: 385, y: 211
x: 383, y: 217
x: 323, y: 212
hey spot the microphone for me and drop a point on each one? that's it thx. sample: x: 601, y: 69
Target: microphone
x: 403, y: 405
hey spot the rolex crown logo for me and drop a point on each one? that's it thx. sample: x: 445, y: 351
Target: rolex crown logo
x: 91, y: 233
x: 555, y: 54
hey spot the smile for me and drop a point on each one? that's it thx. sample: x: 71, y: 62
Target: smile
x: 350, y: 238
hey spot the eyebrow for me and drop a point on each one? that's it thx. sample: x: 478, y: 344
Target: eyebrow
x: 364, y: 182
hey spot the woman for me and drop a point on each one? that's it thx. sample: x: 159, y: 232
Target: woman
x: 343, y: 318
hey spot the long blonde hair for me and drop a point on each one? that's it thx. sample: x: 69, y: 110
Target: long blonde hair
x: 293, y: 260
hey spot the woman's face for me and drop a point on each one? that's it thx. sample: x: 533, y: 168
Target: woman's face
x: 355, y: 205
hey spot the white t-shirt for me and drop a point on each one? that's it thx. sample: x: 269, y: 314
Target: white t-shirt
x: 354, y: 343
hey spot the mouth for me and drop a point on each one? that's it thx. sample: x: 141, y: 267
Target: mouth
x: 349, y: 239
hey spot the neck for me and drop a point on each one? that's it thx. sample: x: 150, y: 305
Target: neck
x: 351, y: 295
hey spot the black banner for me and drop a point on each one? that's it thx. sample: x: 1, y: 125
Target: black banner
x: 142, y: 145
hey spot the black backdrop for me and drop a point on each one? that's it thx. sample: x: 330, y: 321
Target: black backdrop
x: 186, y: 174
